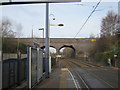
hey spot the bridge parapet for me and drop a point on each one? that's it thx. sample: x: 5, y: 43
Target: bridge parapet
x: 77, y: 44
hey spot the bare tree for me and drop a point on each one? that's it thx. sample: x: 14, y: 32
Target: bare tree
x: 108, y: 24
x: 6, y: 28
x: 104, y: 44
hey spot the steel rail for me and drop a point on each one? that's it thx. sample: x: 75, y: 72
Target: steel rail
x: 80, y: 77
x: 92, y: 65
x: 96, y: 76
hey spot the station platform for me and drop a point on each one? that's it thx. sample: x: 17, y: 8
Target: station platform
x: 59, y: 78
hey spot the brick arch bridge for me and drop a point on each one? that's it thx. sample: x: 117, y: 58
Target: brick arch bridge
x: 77, y: 44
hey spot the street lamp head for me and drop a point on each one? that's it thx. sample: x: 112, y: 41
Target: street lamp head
x: 53, y: 18
x: 60, y: 24
x: 41, y: 29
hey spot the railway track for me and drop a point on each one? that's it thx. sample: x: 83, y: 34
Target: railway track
x: 81, y: 83
x: 82, y: 79
x: 93, y: 65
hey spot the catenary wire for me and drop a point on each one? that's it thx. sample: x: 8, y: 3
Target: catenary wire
x: 88, y: 18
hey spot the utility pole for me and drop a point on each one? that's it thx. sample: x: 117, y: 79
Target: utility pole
x: 47, y: 42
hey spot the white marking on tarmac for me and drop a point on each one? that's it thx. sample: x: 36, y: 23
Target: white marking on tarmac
x: 83, y: 81
x: 76, y: 83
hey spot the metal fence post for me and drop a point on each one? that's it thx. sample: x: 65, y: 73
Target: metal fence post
x: 0, y: 60
x: 18, y: 72
x: 28, y: 67
x: 37, y: 64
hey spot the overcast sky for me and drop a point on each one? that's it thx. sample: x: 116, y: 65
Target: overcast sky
x: 72, y: 15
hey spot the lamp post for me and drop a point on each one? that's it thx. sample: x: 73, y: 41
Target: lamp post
x: 47, y: 41
x: 47, y: 54
x: 42, y: 29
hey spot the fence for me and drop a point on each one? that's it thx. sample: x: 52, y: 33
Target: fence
x: 6, y: 56
x: 34, y: 66
x: 13, y: 72
x: 31, y: 69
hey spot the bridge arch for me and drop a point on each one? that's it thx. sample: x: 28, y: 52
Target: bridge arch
x: 68, y: 46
